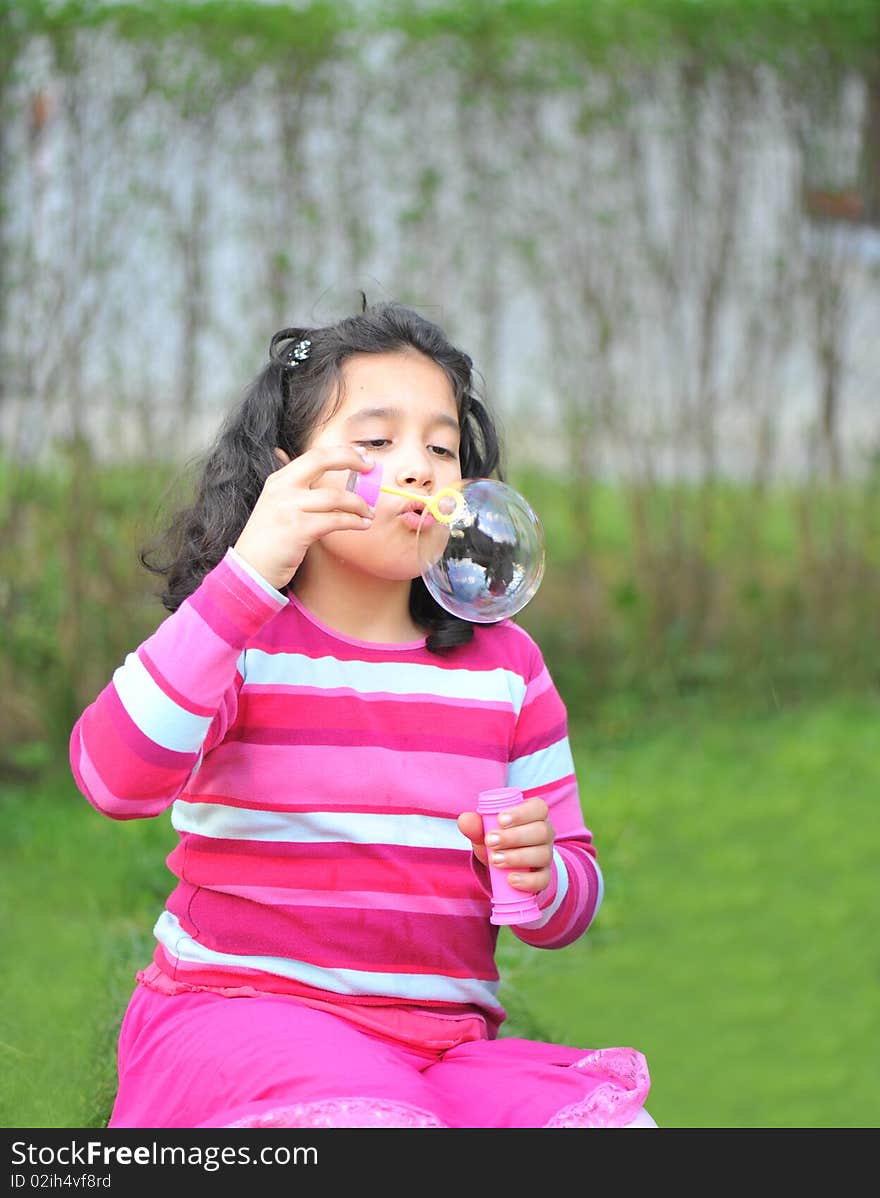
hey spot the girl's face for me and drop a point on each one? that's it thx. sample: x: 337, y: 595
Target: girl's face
x: 401, y: 408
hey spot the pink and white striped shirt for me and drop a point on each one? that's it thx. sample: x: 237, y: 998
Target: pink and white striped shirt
x: 315, y: 782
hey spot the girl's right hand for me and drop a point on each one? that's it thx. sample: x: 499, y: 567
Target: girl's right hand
x: 292, y: 512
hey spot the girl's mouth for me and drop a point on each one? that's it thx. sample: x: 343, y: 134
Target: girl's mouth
x: 415, y: 515
x: 411, y: 519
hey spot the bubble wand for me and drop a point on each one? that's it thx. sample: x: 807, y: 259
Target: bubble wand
x: 368, y: 484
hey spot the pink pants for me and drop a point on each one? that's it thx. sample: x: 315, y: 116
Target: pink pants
x: 204, y: 1060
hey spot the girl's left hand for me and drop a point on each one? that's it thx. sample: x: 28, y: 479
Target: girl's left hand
x: 524, y: 844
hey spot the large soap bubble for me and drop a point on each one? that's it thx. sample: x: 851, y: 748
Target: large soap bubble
x: 484, y: 559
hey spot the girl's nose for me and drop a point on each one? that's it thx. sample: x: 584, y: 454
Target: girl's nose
x: 416, y: 475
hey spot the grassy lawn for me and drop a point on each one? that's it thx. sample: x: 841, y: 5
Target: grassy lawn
x: 736, y: 946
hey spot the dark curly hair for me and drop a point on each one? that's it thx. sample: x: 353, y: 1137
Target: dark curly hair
x: 282, y: 407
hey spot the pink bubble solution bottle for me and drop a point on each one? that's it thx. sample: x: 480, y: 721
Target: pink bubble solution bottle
x: 509, y: 906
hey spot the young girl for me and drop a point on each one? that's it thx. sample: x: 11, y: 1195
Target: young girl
x: 323, y: 729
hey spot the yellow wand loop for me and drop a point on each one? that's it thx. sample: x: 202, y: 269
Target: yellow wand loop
x: 449, y: 497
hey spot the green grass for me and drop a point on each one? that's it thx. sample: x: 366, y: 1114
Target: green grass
x: 736, y: 946
x: 80, y: 895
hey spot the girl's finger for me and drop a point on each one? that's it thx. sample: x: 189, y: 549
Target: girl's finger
x: 308, y: 468
x: 318, y: 524
x: 525, y: 834
x: 531, y: 883
x: 470, y: 824
x: 332, y: 499
x: 531, y: 811
x: 536, y: 857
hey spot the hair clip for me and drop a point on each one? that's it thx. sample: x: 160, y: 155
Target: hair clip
x: 299, y: 352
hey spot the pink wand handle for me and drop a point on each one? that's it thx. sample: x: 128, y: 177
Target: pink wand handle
x: 509, y: 906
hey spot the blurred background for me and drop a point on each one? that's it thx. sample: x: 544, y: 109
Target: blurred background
x: 655, y: 226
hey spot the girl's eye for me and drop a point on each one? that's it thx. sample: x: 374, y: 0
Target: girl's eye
x: 443, y: 452
x: 375, y: 443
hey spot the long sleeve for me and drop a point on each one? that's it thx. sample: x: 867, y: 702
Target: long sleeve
x: 136, y: 746
x: 541, y: 765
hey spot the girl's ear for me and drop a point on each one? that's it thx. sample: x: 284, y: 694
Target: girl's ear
x: 282, y: 457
